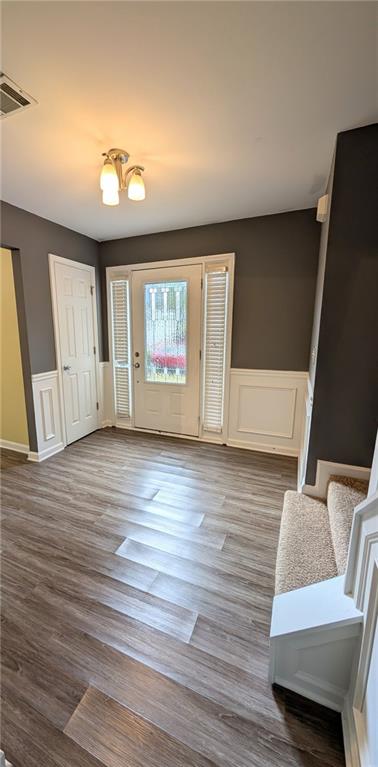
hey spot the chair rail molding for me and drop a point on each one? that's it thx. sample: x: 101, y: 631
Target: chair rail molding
x: 266, y: 410
x: 48, y: 415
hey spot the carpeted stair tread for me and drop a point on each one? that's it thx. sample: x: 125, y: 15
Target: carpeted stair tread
x: 305, y: 550
x: 344, y: 493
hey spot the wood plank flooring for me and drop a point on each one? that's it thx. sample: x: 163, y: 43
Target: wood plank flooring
x: 137, y: 582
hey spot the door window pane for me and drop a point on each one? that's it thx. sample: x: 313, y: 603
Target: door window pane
x: 165, y: 330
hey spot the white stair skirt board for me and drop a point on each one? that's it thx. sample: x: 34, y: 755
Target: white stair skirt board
x: 266, y: 410
x: 306, y: 430
x: 17, y: 447
x: 314, y: 635
x: 359, y: 713
x: 48, y: 416
x: 3, y: 761
x: 327, y: 469
x: 373, y: 485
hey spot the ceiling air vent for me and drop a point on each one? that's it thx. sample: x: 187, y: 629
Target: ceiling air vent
x: 12, y: 97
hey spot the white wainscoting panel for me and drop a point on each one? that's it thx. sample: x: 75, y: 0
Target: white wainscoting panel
x: 266, y: 410
x: 106, y: 394
x: 47, y: 415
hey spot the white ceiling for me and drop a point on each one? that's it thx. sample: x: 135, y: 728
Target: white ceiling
x: 232, y: 107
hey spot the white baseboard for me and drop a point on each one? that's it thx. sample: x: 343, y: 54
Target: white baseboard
x: 327, y: 469
x: 17, y: 447
x: 259, y: 447
x: 43, y: 454
x: 212, y: 440
x: 206, y: 438
x: 127, y: 425
x: 265, y: 413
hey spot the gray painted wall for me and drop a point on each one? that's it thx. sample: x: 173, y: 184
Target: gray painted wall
x: 31, y: 239
x: 345, y: 410
x: 35, y: 238
x: 275, y: 276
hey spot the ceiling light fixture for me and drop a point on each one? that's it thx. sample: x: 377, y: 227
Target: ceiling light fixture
x: 135, y: 184
x: 115, y: 179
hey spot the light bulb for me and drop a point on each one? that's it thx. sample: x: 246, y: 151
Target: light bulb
x: 110, y: 197
x: 109, y: 178
x: 135, y: 187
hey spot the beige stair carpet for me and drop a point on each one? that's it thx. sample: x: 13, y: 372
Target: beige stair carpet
x: 344, y: 493
x: 305, y: 551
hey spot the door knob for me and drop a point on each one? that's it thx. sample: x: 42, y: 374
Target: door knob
x: 136, y: 365
x: 66, y: 367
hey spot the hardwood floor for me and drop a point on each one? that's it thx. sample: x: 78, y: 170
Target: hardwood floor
x: 137, y: 579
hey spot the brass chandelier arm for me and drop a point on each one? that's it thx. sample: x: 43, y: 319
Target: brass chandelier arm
x: 117, y: 154
x: 135, y: 167
x: 131, y: 171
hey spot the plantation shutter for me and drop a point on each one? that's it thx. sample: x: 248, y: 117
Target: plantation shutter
x: 216, y: 296
x: 121, y: 347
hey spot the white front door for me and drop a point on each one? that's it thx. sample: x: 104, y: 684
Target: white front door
x: 166, y: 304
x: 77, y: 349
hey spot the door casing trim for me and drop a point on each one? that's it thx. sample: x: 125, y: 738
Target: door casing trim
x: 128, y: 269
x: 55, y: 259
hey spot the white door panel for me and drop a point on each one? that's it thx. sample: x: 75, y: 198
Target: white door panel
x: 76, y: 341
x: 166, y: 348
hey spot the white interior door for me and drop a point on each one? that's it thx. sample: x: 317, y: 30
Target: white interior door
x: 166, y: 305
x: 77, y: 349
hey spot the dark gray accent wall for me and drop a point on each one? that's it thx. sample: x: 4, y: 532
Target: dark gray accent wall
x: 35, y: 238
x: 31, y: 239
x: 345, y: 409
x: 275, y: 275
